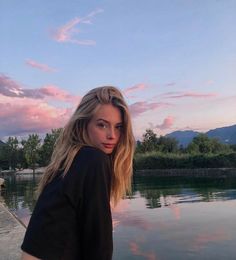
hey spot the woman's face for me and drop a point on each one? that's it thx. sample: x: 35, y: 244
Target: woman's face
x: 104, y: 129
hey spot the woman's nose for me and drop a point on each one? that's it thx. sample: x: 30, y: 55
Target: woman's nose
x: 111, y: 133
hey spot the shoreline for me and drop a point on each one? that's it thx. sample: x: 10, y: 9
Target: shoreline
x: 12, y: 235
x: 24, y: 172
x: 196, y: 173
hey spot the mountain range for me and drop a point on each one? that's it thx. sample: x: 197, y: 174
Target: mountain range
x: 226, y: 135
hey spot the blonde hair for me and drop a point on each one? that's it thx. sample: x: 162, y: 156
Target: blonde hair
x: 74, y: 136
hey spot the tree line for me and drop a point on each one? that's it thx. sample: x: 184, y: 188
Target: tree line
x: 165, y: 153
x: 151, y: 152
x: 201, y: 144
x: 28, y: 153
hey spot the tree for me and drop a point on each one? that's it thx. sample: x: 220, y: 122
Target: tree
x: 150, y: 140
x: 218, y: 147
x: 22, y: 162
x: 138, y: 148
x: 203, y: 144
x: 167, y: 144
x: 233, y: 147
x: 48, y: 146
x: 200, y: 144
x: 4, y: 161
x: 11, y: 151
x: 31, y: 149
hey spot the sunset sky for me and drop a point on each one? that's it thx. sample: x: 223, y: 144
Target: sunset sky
x: 174, y: 61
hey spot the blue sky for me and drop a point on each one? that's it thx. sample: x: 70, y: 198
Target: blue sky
x: 174, y: 61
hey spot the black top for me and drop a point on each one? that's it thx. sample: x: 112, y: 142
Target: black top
x: 72, y: 217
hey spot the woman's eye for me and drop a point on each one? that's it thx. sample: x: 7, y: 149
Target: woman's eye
x: 102, y: 125
x: 119, y: 127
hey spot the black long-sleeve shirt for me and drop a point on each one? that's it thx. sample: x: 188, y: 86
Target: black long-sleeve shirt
x: 72, y: 217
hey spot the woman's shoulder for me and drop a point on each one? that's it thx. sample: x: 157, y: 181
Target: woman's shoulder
x: 90, y: 163
x: 91, y: 154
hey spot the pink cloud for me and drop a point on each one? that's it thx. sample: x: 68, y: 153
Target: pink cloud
x: 188, y: 95
x: 20, y: 116
x: 28, y: 110
x: 11, y: 88
x: 55, y: 92
x: 40, y: 66
x: 167, y: 123
x: 135, y: 88
x: 67, y: 32
x: 140, y: 107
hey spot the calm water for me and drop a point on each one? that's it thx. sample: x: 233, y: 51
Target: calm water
x: 165, y: 218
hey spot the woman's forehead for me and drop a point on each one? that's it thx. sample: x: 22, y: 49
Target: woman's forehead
x: 108, y: 113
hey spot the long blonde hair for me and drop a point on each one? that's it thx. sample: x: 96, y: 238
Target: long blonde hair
x: 74, y: 136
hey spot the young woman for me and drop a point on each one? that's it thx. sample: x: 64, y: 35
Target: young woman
x: 91, y: 166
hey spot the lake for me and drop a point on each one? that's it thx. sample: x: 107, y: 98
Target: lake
x: 163, y: 218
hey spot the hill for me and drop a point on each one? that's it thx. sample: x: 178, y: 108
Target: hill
x: 226, y: 135
x: 183, y: 137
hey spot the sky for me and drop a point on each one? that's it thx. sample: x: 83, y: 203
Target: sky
x: 173, y: 60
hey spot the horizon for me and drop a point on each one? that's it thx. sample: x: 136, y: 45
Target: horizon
x: 41, y: 136
x: 173, y: 61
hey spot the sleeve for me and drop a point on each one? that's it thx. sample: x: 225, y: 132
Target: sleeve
x: 96, y: 225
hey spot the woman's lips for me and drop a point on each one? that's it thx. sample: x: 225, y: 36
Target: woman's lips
x: 110, y: 146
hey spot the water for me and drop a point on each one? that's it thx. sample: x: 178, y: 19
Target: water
x: 164, y: 218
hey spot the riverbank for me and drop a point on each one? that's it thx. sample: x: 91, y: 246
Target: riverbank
x: 23, y: 172
x: 202, y: 172
x: 12, y: 234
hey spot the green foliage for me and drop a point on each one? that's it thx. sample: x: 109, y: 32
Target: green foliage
x: 31, y: 149
x: 149, y: 141
x: 152, y: 143
x: 205, y: 145
x: 164, y: 153
x: 151, y: 153
x: 29, y: 152
x: 46, y: 149
x: 233, y: 147
x: 167, y: 144
x: 11, y: 151
x: 184, y: 161
x: 4, y: 161
x: 22, y: 162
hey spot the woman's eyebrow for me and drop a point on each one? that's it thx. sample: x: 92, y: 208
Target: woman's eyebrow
x: 104, y: 120
x: 101, y: 119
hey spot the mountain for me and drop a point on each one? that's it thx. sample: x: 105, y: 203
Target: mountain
x: 226, y: 135
x: 183, y: 137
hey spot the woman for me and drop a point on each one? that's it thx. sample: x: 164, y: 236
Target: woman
x: 91, y: 166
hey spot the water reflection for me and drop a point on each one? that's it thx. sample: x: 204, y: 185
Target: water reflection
x: 163, y: 218
x: 162, y: 192
x: 177, y: 219
x: 19, y: 195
